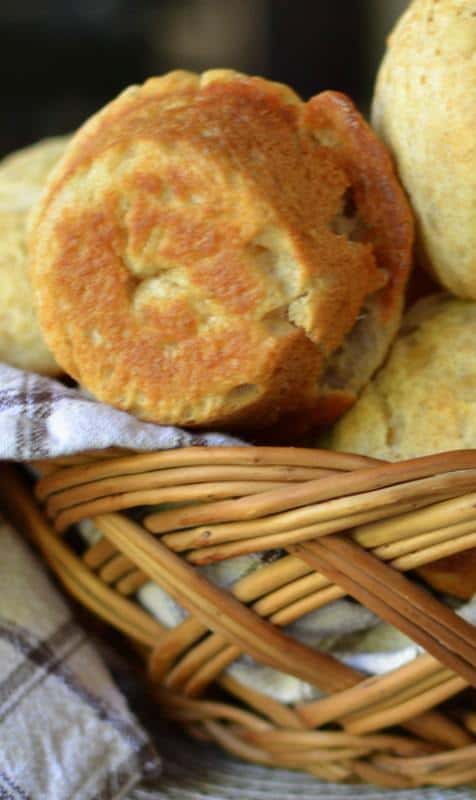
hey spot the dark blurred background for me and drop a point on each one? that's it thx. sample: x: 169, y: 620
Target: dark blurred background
x: 63, y: 59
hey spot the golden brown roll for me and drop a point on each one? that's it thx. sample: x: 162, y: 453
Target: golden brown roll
x: 423, y: 401
x: 22, y: 177
x: 425, y: 110
x: 213, y: 250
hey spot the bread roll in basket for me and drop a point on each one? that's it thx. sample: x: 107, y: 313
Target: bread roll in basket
x: 324, y: 525
x: 212, y: 250
x: 343, y: 525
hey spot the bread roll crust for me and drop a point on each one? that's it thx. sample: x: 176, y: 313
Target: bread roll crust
x: 186, y: 256
x: 423, y: 401
x: 424, y: 108
x: 22, y: 177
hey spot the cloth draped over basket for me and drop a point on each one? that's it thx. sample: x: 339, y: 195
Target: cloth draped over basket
x: 199, y: 501
x: 65, y: 730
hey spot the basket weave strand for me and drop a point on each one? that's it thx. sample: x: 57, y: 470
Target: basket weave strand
x: 350, y: 525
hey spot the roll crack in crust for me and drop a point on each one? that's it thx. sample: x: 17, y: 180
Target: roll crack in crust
x: 209, y: 246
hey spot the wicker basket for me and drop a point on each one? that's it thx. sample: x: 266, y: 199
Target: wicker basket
x: 350, y: 525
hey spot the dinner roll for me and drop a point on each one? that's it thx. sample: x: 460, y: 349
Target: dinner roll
x: 31, y: 166
x: 213, y: 250
x: 423, y: 401
x: 425, y: 110
x: 22, y: 177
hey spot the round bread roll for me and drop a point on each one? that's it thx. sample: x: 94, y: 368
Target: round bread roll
x: 425, y: 110
x: 22, y: 177
x: 213, y: 250
x: 423, y: 401
x: 31, y: 166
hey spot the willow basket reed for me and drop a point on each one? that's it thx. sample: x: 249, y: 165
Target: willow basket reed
x: 348, y: 525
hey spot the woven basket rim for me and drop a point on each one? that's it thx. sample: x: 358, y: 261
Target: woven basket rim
x: 339, y: 517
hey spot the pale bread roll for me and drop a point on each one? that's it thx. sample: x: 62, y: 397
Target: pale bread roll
x: 22, y: 177
x: 424, y: 108
x: 423, y: 401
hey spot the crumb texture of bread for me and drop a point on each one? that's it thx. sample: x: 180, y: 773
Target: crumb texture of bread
x: 207, y: 243
x: 22, y: 177
x: 424, y: 108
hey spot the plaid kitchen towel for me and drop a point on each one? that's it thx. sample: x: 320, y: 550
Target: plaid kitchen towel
x: 65, y: 730
x: 41, y: 418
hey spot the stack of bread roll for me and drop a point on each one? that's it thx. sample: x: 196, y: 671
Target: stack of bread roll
x: 212, y: 251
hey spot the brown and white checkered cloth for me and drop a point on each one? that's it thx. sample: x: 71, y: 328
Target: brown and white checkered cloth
x: 41, y: 418
x: 65, y: 730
